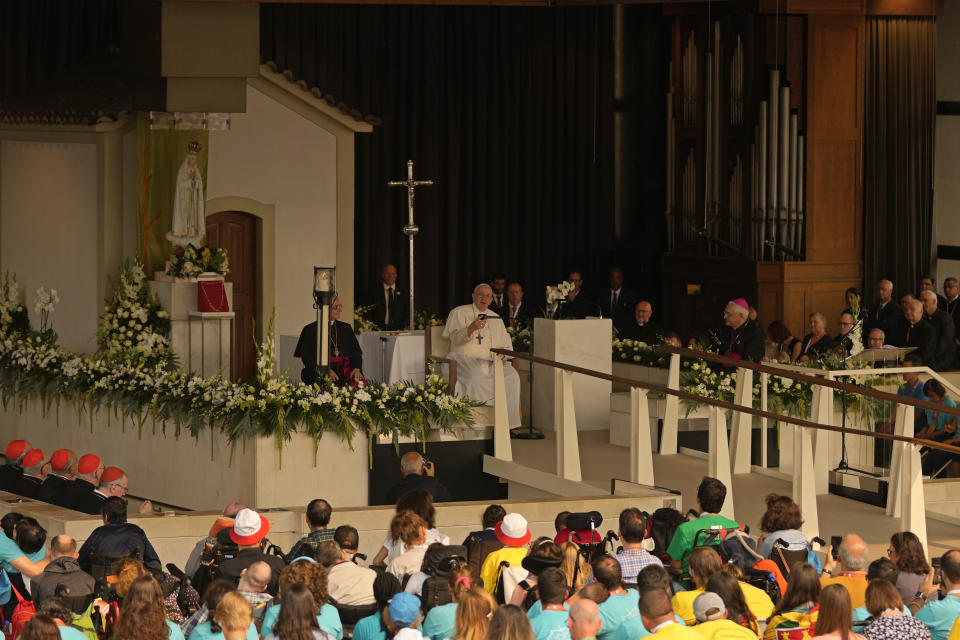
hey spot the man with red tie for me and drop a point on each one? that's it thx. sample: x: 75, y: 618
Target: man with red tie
x: 515, y: 313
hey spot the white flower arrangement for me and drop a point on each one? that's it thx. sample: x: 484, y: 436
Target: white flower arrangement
x: 46, y: 303
x: 133, y: 325
x: 559, y: 291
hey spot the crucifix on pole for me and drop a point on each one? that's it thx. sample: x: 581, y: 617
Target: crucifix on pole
x: 410, y: 229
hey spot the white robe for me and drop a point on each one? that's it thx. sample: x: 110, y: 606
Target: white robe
x: 475, y: 362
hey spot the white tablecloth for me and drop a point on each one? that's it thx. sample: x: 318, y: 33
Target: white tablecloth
x: 389, y: 357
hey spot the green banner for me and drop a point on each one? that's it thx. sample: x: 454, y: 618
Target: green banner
x: 163, y: 159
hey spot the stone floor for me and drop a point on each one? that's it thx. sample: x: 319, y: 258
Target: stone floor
x: 601, y: 461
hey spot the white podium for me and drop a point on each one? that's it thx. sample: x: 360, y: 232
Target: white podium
x: 202, y: 342
x: 584, y: 343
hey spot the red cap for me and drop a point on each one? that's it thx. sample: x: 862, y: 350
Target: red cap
x: 32, y: 459
x: 88, y: 464
x: 60, y: 459
x: 16, y: 449
x: 111, y: 474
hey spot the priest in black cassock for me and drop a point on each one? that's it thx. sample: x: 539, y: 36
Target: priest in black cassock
x: 346, y: 358
x: 641, y: 327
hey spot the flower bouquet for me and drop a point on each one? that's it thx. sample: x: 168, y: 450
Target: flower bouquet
x: 196, y: 260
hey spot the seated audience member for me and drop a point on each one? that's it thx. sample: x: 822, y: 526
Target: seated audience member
x: 818, y: 342
x: 944, y: 332
x: 731, y: 591
x: 741, y: 337
x: 61, y: 614
x: 876, y: 339
x: 939, y: 615
x: 512, y: 531
x: 41, y: 627
x: 705, y: 562
x: 28, y: 485
x: 253, y: 586
x: 421, y: 503
x: 114, y: 482
x: 474, y: 610
x: 84, y: 494
x: 298, y: 616
x: 509, y: 623
x: 55, y: 487
x: 575, y: 566
x: 11, y: 471
x: 889, y: 621
x: 641, y: 327
x: 659, y: 619
x: 633, y: 558
x: 143, y: 614
x: 62, y: 570
x: 622, y: 603
x: 249, y: 533
x: 118, y: 538
x: 843, y: 343
x: 544, y: 554
x: 583, y: 621
x: 219, y: 534
x: 318, y: 517
x: 783, y: 340
x: 907, y: 554
x: 796, y: 609
x: 713, y: 621
x: 234, y: 615
x: 652, y: 577
x: 853, y: 561
x: 313, y: 577
x: 553, y: 617
x: 672, y: 338
x: 927, y: 284
x: 411, y: 530
x: 373, y: 627
x: 580, y: 536
x: 835, y: 621
x: 480, y: 543
x: 941, y: 427
x: 912, y: 387
x: 879, y: 569
x: 418, y: 475
x: 202, y: 625
x: 914, y: 331
x: 782, y: 521
x: 414, y: 582
x: 710, y: 496
x: 439, y: 623
x: 349, y: 583
x: 25, y: 553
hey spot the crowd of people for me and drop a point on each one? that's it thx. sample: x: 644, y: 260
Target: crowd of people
x: 668, y: 575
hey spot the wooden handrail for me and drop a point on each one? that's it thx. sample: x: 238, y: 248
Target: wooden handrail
x: 723, y: 404
x: 802, y: 377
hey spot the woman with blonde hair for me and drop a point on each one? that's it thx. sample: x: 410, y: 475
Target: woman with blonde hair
x: 143, y: 615
x: 510, y: 623
x: 314, y: 576
x: 235, y: 617
x: 835, y: 621
x: 473, y: 615
x: 441, y: 619
x: 574, y: 566
x: 126, y: 570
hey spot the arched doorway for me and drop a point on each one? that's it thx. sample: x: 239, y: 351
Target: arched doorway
x: 239, y: 233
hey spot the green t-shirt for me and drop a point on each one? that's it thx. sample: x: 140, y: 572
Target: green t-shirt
x: 682, y: 543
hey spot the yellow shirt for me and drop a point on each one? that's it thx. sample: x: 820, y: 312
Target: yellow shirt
x: 955, y: 631
x: 757, y: 600
x: 490, y: 570
x: 675, y: 631
x: 724, y: 629
x: 856, y: 584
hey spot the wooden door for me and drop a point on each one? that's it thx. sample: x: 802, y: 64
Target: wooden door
x: 236, y: 232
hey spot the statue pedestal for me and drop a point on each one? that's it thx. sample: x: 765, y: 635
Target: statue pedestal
x: 584, y: 343
x: 202, y: 342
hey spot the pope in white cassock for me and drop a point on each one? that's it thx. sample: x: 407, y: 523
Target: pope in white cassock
x: 471, y: 338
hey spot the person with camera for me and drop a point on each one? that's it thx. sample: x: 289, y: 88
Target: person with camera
x: 419, y: 474
x: 249, y: 533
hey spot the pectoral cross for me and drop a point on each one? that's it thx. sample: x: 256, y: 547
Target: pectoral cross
x: 410, y: 229
x: 479, y: 338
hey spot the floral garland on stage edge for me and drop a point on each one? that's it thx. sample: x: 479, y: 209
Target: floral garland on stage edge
x: 141, y: 384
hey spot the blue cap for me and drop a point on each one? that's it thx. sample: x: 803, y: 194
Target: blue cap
x: 404, y: 608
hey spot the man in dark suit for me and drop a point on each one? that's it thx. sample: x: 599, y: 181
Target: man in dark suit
x: 517, y: 313
x: 11, y: 471
x: 945, y: 333
x: 951, y: 290
x: 418, y: 475
x: 84, y: 493
x: 619, y: 302
x: 887, y: 314
x: 914, y: 331
x: 926, y: 284
x: 642, y: 328
x: 499, y: 285
x: 390, y: 304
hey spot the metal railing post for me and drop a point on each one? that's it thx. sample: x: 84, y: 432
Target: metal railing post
x: 718, y: 465
x: 502, y: 447
x: 741, y: 440
x: 671, y: 411
x: 641, y: 451
x: 565, y: 425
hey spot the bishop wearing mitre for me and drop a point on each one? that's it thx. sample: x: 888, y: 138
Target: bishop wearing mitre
x: 473, y: 329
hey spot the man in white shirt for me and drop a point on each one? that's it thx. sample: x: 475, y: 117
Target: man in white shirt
x: 474, y: 329
x: 349, y: 583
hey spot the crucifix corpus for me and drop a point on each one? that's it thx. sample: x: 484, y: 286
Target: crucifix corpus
x: 410, y: 229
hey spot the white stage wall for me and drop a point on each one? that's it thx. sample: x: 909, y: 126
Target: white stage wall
x: 49, y: 231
